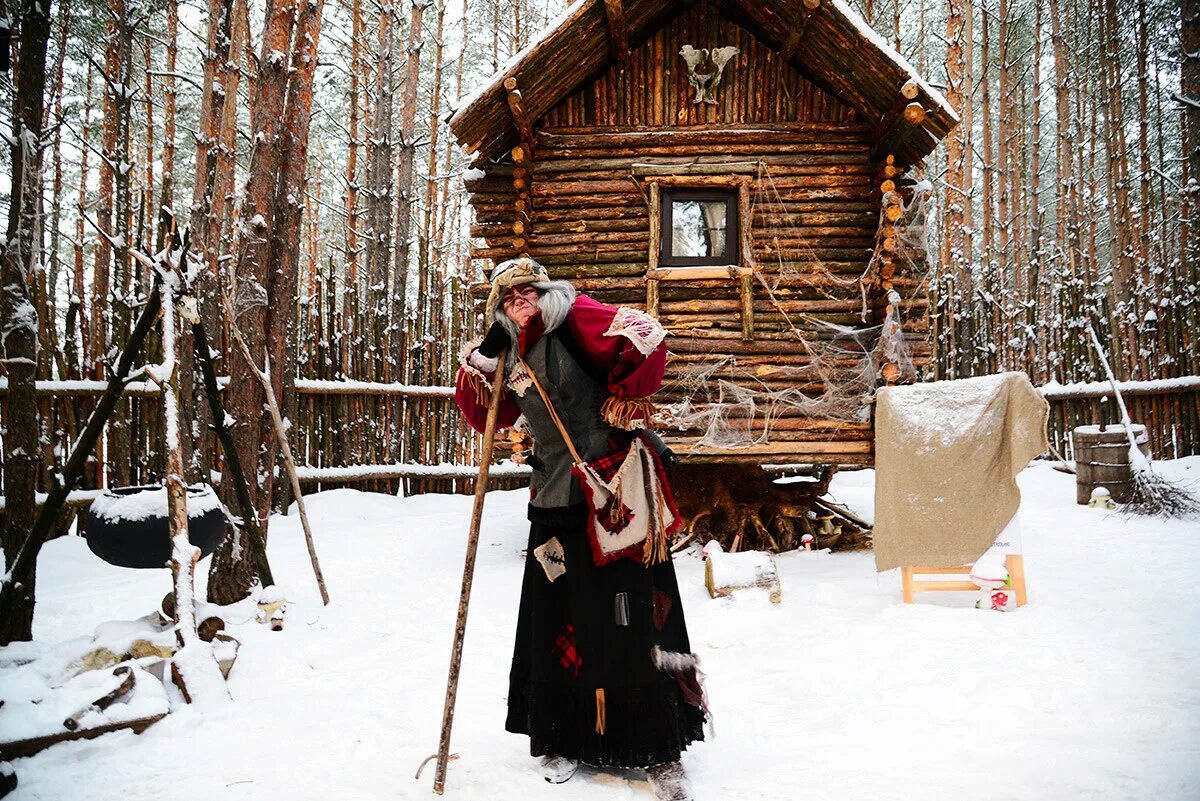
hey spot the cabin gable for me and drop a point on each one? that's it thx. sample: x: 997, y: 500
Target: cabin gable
x: 824, y: 40
x: 650, y: 87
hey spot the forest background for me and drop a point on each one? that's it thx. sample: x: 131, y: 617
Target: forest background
x: 1064, y: 196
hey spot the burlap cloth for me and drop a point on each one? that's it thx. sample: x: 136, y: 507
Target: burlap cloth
x: 947, y: 454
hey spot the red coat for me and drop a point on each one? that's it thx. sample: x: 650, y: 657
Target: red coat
x: 632, y: 376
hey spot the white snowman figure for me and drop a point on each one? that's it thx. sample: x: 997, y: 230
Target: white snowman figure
x: 991, y: 576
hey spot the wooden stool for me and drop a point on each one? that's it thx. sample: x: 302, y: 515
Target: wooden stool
x: 1013, y: 561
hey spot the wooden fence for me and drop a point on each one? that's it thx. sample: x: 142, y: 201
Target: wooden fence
x: 372, y: 436
x: 396, y: 438
x: 1170, y: 410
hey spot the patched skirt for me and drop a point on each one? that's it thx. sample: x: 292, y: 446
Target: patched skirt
x: 584, y: 683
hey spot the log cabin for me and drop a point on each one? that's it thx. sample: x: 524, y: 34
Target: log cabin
x: 745, y: 170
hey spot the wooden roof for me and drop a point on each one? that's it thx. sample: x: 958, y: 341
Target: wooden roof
x: 825, y: 40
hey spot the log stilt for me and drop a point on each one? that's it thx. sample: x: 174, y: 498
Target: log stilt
x: 740, y: 507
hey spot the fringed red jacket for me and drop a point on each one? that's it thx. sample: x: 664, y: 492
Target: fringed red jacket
x: 626, y: 345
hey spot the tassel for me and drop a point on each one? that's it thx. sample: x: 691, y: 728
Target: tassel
x: 599, y: 710
x: 614, y: 508
x: 656, y: 548
x: 482, y: 389
x: 623, y: 412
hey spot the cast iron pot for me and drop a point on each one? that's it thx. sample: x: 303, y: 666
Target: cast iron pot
x: 127, y: 526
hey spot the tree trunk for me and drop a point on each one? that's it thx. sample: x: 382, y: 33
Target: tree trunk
x: 988, y: 317
x: 22, y: 251
x: 122, y: 298
x: 1003, y: 268
x: 167, y: 189
x: 1035, y: 346
x: 378, y: 228
x: 101, y: 281
x: 1189, y: 91
x: 284, y: 272
x: 85, y: 327
x: 955, y: 259
x: 404, y: 179
x: 231, y: 574
x: 350, y: 300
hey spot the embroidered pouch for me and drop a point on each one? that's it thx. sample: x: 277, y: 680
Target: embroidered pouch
x: 630, y: 503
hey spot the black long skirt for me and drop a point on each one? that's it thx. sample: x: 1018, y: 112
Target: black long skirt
x: 594, y: 628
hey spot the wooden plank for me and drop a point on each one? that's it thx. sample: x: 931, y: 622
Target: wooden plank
x: 943, y: 586
x: 698, y: 273
x: 772, y: 448
x: 618, y: 29
x: 16, y: 749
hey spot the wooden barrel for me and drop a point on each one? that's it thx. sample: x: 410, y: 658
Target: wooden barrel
x: 1102, y: 460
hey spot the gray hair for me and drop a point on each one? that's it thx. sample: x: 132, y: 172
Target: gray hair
x: 555, y: 299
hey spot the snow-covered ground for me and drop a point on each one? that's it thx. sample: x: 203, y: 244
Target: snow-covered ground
x: 1092, y: 691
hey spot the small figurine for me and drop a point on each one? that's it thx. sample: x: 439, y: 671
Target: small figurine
x: 1102, y: 499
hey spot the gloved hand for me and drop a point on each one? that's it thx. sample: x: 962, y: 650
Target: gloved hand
x: 669, y: 460
x: 495, y: 342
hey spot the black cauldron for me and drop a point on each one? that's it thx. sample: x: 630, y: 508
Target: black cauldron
x: 127, y: 526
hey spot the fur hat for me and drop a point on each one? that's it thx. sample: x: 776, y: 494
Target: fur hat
x: 510, y: 273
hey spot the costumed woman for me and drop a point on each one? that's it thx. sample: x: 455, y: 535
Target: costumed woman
x: 602, y: 671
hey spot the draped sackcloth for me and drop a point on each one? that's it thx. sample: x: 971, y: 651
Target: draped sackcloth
x: 947, y: 454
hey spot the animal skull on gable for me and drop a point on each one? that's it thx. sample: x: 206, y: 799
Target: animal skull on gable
x: 706, y: 83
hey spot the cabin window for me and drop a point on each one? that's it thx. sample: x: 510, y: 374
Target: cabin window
x: 699, y: 228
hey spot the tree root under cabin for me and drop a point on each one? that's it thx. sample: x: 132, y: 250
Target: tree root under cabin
x: 741, y: 507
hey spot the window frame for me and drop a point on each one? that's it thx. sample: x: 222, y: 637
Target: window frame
x: 733, y: 232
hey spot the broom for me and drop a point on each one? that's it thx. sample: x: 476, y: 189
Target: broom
x: 1152, y: 494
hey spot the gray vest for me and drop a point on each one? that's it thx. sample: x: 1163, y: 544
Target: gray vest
x: 577, y: 398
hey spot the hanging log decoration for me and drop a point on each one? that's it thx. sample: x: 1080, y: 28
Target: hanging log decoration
x: 906, y: 125
x: 522, y: 174
x: 893, y: 208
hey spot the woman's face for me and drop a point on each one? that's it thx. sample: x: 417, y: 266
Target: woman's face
x: 520, y: 303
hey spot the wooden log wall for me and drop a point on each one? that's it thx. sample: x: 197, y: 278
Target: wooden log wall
x: 814, y: 217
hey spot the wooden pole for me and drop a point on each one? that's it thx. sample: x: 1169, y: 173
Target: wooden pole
x: 460, y: 626
x: 263, y: 375
x: 184, y: 555
x: 232, y: 468
x: 20, y: 575
x: 290, y: 464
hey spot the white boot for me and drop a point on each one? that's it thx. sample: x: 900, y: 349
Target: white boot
x: 558, y: 769
x: 669, y: 782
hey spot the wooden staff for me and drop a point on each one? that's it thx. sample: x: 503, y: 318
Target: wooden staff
x: 264, y: 378
x: 460, y: 627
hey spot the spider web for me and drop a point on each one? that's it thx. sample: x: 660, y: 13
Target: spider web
x: 734, y: 407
